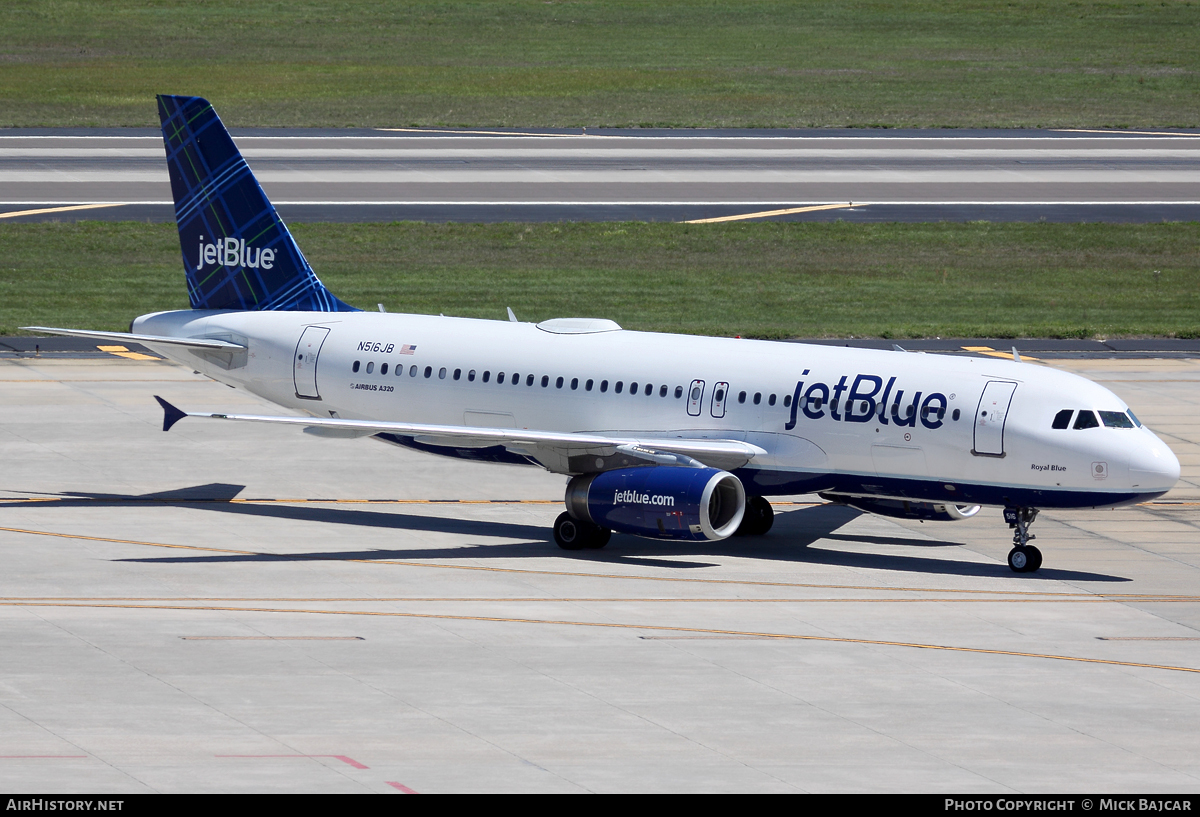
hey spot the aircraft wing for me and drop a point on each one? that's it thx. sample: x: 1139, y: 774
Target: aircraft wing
x: 557, y: 451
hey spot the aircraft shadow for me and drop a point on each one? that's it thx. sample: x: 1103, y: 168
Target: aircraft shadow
x: 789, y: 540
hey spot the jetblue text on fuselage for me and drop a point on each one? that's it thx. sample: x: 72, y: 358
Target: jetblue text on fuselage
x: 630, y: 497
x: 867, y: 398
x: 233, y: 252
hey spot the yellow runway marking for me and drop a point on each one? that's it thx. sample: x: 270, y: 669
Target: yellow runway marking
x: 271, y: 638
x: 130, y: 542
x: 617, y: 626
x: 990, y: 352
x: 1035, y: 595
x: 121, y: 351
x: 619, y: 599
x: 291, y: 501
x: 16, y: 213
x: 769, y: 213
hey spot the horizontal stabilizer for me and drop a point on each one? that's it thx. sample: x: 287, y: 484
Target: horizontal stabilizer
x: 171, y: 414
x: 130, y: 337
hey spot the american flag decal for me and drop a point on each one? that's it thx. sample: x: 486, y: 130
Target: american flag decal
x: 408, y: 349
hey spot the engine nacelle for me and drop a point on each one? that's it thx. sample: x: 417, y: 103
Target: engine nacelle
x: 906, y: 509
x: 661, y: 502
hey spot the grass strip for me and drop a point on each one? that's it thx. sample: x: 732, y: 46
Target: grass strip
x: 569, y: 63
x: 769, y: 280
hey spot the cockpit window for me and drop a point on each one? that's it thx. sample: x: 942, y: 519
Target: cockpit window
x: 1133, y: 417
x: 1115, y: 419
x: 1086, y: 419
x: 1063, y: 419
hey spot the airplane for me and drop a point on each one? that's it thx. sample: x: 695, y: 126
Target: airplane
x: 663, y: 436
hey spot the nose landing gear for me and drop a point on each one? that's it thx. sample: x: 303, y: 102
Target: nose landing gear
x: 1024, y: 557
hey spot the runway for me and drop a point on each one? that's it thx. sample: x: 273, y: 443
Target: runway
x: 233, y: 608
x: 372, y: 175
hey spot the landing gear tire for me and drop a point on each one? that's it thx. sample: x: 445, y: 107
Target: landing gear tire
x: 758, y: 518
x: 599, y: 538
x: 572, y: 534
x: 1024, y: 559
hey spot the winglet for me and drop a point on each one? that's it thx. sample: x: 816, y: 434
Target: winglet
x: 171, y: 415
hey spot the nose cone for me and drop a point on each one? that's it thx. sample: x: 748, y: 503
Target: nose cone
x: 1153, y: 468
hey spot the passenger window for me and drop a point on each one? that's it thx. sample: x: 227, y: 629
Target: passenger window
x: 529, y: 380
x: 720, y: 395
x: 1063, y: 419
x: 545, y: 380
x: 955, y: 415
x: 603, y: 386
x: 486, y: 375
x: 620, y: 385
x: 757, y: 397
x: 678, y: 392
x: 649, y: 389
x: 500, y: 378
x: 787, y: 400
x: 574, y: 383
x: 1115, y: 419
x: 741, y: 397
x: 442, y: 373
x: 354, y: 368
x: 370, y: 367
x: 383, y: 369
x: 428, y: 371
x: 558, y: 383
x: 1086, y: 420
x: 662, y: 391
x: 470, y: 376
x: 412, y: 371
x: 771, y: 402
x: 588, y: 386
x: 457, y: 374
x: 633, y: 387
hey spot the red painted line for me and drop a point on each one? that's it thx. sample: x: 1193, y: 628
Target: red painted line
x: 15, y: 757
x: 401, y: 787
x: 349, y: 760
x: 345, y: 759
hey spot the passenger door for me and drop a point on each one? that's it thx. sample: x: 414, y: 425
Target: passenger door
x: 990, y: 417
x: 304, y: 369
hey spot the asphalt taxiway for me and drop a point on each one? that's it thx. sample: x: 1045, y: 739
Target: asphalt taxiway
x: 431, y: 175
x: 233, y: 608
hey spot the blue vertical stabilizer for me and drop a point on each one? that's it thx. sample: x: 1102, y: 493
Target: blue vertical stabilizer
x: 237, y: 252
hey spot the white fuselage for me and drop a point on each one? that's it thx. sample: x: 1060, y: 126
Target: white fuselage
x: 979, y: 430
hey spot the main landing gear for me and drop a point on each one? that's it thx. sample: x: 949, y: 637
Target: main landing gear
x: 1024, y: 557
x: 573, y: 534
x: 757, y: 519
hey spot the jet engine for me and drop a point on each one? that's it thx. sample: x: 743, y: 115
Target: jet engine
x: 660, y: 502
x: 906, y: 509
